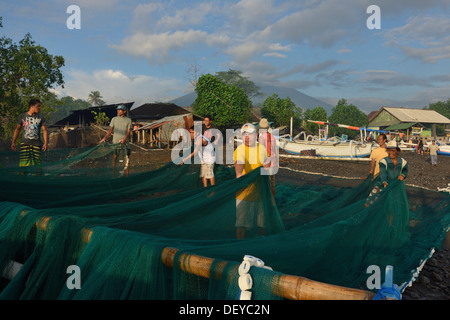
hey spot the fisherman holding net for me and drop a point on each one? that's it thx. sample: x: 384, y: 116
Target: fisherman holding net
x: 249, y: 156
x: 392, y: 168
x: 121, y: 126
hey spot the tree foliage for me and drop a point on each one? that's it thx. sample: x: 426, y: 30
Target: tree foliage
x: 95, y: 99
x: 347, y: 114
x: 442, y: 108
x: 61, y: 108
x: 316, y: 114
x: 227, y: 105
x: 234, y: 77
x: 101, y: 119
x: 27, y: 71
x: 279, y: 111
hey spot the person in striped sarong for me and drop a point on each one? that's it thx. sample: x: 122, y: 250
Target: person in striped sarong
x: 31, y: 123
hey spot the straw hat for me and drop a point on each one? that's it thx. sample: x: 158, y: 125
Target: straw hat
x: 264, y: 124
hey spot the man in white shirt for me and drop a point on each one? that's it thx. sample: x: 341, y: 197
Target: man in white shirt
x: 434, y: 148
x: 206, y: 152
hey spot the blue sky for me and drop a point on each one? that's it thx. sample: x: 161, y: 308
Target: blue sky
x: 142, y: 51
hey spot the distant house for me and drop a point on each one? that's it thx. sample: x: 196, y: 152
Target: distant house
x: 153, y: 123
x: 85, y: 117
x: 409, y: 121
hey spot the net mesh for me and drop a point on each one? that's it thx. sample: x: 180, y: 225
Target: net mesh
x: 73, y: 211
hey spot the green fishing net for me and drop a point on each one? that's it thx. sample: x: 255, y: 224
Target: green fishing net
x: 75, y: 211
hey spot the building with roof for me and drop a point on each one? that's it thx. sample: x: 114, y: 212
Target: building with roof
x: 84, y: 117
x: 154, y: 123
x: 413, y: 121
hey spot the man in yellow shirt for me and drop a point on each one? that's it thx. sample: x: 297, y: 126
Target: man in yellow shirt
x: 378, y: 154
x: 249, y: 156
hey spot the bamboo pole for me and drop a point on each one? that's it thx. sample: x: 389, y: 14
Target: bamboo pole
x: 323, y: 158
x: 289, y: 286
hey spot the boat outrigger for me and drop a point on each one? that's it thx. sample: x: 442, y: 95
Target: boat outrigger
x: 322, y: 146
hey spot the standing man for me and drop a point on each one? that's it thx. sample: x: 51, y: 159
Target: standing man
x: 209, y: 131
x: 267, y: 139
x: 392, y: 168
x: 434, y: 148
x: 378, y: 154
x: 205, y: 150
x: 249, y: 156
x: 121, y: 126
x: 31, y: 146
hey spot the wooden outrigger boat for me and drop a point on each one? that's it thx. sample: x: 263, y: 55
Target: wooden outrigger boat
x: 323, y: 147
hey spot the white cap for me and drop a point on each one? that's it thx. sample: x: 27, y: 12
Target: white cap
x: 248, y: 128
x: 391, y: 144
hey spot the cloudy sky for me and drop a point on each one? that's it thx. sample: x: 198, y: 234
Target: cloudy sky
x: 142, y: 51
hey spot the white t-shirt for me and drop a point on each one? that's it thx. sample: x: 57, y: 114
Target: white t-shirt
x: 206, y: 153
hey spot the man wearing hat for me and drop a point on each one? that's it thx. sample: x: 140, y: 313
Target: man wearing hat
x: 267, y: 139
x: 121, y: 126
x: 392, y: 168
x: 249, y: 156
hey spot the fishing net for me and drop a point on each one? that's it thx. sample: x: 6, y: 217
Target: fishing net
x: 133, y: 237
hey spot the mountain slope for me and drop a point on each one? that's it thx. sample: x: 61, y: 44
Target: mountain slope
x: 300, y: 99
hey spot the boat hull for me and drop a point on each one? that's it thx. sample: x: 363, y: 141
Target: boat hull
x: 444, y: 150
x: 324, y: 149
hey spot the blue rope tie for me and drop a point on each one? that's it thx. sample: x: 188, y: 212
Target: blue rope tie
x: 381, y: 295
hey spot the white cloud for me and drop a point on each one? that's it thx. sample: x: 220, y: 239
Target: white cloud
x: 252, y: 15
x: 275, y: 55
x: 279, y: 47
x: 159, y: 46
x: 323, y: 24
x: 186, y: 17
x: 388, y: 79
x: 344, y: 50
x: 424, y: 38
x: 116, y: 86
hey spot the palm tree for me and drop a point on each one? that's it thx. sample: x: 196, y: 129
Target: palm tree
x: 95, y: 98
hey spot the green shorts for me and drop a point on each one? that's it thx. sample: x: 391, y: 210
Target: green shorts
x: 30, y: 155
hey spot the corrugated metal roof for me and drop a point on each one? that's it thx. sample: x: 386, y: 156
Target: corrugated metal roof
x: 400, y: 126
x: 417, y: 115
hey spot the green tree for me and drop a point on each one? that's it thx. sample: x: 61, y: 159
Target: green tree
x: 228, y: 105
x: 442, y: 108
x: 234, y: 77
x: 63, y: 107
x: 27, y: 71
x: 101, y: 119
x: 279, y: 111
x: 316, y: 114
x: 347, y: 114
x: 95, y: 99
